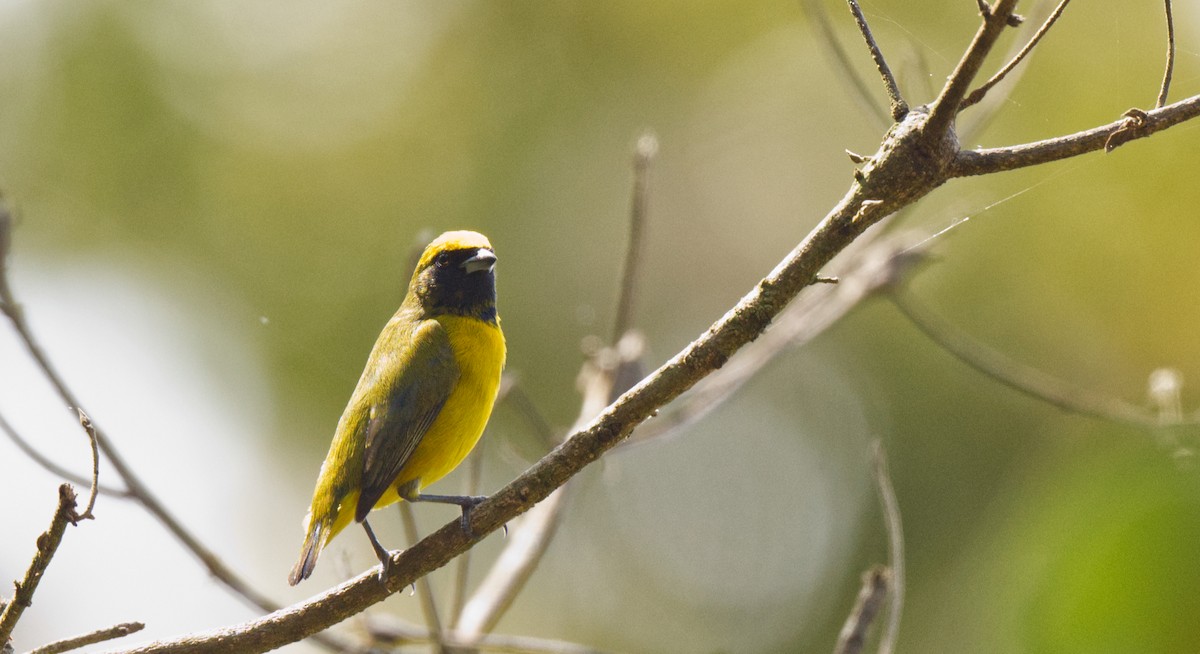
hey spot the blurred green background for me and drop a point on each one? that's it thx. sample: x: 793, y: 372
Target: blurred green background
x: 217, y: 205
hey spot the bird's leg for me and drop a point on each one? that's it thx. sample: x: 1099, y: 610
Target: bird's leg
x: 385, y: 557
x: 465, y: 502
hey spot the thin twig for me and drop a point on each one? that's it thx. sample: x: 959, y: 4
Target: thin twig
x: 1166, y: 83
x: 86, y: 423
x: 424, y: 591
x: 98, y: 636
x: 1020, y: 377
x: 52, y: 467
x: 853, y: 636
x: 846, y: 72
x: 647, y: 147
x: 895, y: 533
x: 978, y: 94
x: 898, y: 107
x: 47, y: 545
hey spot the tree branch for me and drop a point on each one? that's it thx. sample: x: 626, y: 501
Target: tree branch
x: 1138, y: 125
x: 47, y: 545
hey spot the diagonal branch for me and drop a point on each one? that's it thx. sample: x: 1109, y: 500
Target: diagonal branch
x: 897, y: 104
x: 47, y: 545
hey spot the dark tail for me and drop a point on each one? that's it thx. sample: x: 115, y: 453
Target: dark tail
x: 308, y: 555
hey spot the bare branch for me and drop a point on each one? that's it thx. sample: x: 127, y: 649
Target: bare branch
x: 86, y: 423
x: 895, y: 532
x: 1166, y: 83
x: 1139, y: 125
x: 98, y: 636
x: 47, y: 545
x: 853, y: 636
x: 978, y: 94
x: 898, y: 107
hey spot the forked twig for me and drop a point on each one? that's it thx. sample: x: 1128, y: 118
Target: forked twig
x: 978, y: 94
x: 898, y: 107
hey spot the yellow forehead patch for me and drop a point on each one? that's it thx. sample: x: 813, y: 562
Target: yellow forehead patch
x: 456, y: 240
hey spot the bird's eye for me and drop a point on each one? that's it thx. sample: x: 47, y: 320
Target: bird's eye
x: 442, y: 260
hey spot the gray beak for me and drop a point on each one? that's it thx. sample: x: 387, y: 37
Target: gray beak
x: 483, y: 260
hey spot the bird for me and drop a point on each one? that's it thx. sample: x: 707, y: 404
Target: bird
x: 422, y: 402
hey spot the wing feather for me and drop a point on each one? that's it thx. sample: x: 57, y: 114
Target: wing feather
x: 413, y: 378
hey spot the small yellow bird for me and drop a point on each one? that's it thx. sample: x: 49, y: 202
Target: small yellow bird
x: 422, y: 401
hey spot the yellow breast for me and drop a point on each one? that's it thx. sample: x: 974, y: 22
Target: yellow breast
x: 480, y: 352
